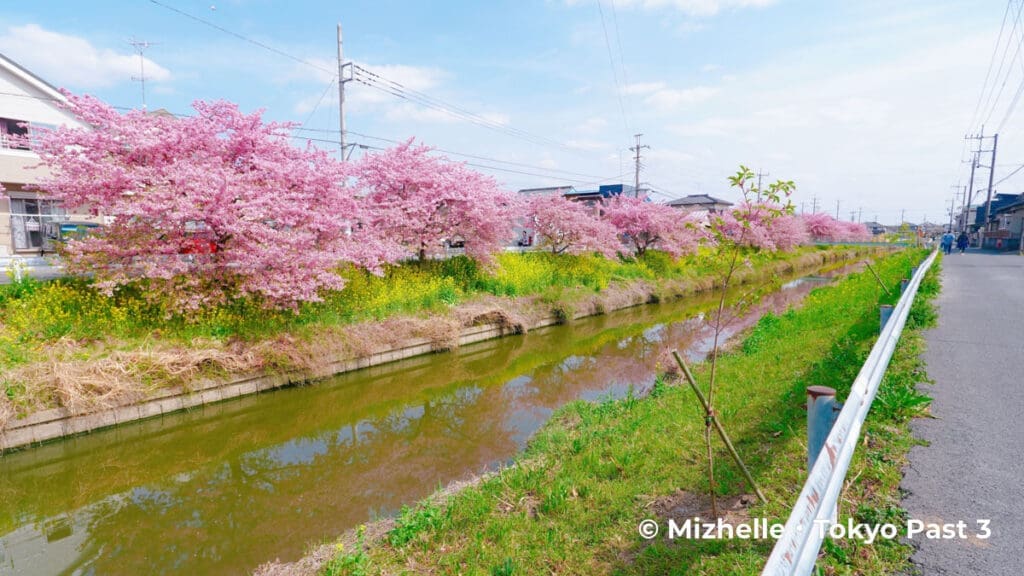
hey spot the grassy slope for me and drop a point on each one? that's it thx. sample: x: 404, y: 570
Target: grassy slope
x: 62, y: 343
x: 572, y: 504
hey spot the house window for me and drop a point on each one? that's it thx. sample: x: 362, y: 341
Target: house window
x: 12, y: 128
x: 28, y: 221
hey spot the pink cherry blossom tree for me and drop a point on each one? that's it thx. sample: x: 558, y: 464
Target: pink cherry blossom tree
x: 825, y: 228
x: 646, y: 225
x: 419, y: 201
x: 204, y: 208
x: 566, y: 226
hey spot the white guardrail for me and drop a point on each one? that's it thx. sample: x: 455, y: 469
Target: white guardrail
x: 796, y: 550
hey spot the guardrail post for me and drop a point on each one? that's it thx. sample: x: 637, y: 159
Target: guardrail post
x: 821, y: 402
x: 884, y: 312
x: 903, y: 285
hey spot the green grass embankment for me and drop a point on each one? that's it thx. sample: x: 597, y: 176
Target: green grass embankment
x: 63, y: 344
x: 572, y: 503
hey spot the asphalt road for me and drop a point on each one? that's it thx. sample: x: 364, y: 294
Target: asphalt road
x: 973, y: 466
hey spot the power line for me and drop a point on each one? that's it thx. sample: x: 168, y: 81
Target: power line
x: 1010, y: 175
x: 1009, y: 69
x: 991, y: 62
x: 592, y: 178
x: 243, y: 38
x: 379, y: 82
x: 615, y: 74
x: 622, y: 61
x: 319, y: 101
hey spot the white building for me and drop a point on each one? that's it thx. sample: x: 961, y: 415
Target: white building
x: 26, y: 101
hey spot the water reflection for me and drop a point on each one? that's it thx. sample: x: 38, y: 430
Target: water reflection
x: 222, y: 489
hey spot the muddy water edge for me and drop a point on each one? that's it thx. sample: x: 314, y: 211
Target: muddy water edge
x: 224, y: 488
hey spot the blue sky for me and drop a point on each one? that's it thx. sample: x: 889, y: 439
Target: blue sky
x: 865, y: 102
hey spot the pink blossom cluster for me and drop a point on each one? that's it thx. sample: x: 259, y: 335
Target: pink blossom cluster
x: 644, y: 225
x: 564, y: 226
x: 219, y: 205
x: 826, y: 228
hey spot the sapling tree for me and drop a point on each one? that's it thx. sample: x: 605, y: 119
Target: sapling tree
x: 205, y: 208
x: 419, y: 201
x: 760, y: 222
x: 564, y: 226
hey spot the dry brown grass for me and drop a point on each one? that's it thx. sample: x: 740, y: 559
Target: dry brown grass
x: 89, y: 377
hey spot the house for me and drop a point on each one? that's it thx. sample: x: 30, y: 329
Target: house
x: 548, y: 190
x: 700, y: 202
x: 26, y: 101
x: 1006, y: 228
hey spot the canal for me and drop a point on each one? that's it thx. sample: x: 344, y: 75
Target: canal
x: 222, y: 489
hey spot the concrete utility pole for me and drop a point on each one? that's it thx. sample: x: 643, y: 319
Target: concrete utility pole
x: 860, y: 212
x: 140, y: 47
x: 903, y: 217
x: 853, y: 215
x: 958, y: 191
x: 637, y: 149
x: 988, y: 201
x: 952, y: 207
x: 970, y: 192
x: 341, y: 94
x: 837, y: 209
x: 814, y: 204
x: 759, y: 175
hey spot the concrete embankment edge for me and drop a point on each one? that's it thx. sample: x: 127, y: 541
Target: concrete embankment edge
x: 47, y: 425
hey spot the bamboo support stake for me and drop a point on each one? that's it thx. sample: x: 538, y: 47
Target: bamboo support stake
x: 880, y: 283
x: 718, y: 426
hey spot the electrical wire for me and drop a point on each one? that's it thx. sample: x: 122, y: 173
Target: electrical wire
x: 1002, y: 85
x: 991, y: 63
x: 383, y: 84
x: 615, y: 74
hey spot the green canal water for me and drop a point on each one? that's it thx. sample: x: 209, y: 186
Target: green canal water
x: 221, y: 489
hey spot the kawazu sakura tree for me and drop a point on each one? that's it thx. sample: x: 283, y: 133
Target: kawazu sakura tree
x: 646, y: 225
x: 205, y: 208
x: 564, y: 226
x: 420, y: 201
x: 763, y: 225
x: 826, y: 228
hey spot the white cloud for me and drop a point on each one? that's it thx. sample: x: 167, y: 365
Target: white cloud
x: 72, y: 61
x: 663, y: 98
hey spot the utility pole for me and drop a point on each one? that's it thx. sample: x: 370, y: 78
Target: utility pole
x: 970, y: 191
x: 903, y: 217
x: 853, y: 215
x: 860, y: 212
x: 802, y: 207
x: 814, y: 204
x: 958, y: 190
x: 759, y: 175
x: 952, y: 206
x: 341, y: 94
x: 140, y: 47
x: 637, y: 149
x: 988, y: 201
x: 837, y: 209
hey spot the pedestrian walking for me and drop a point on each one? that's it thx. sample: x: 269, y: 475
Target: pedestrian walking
x: 962, y: 242
x: 947, y: 243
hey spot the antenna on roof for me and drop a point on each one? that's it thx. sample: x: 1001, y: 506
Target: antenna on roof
x: 140, y: 47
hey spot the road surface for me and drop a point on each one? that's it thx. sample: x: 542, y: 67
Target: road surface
x: 973, y: 466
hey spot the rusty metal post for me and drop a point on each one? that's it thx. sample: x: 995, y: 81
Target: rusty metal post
x: 821, y: 401
x: 822, y: 411
x: 885, y: 311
